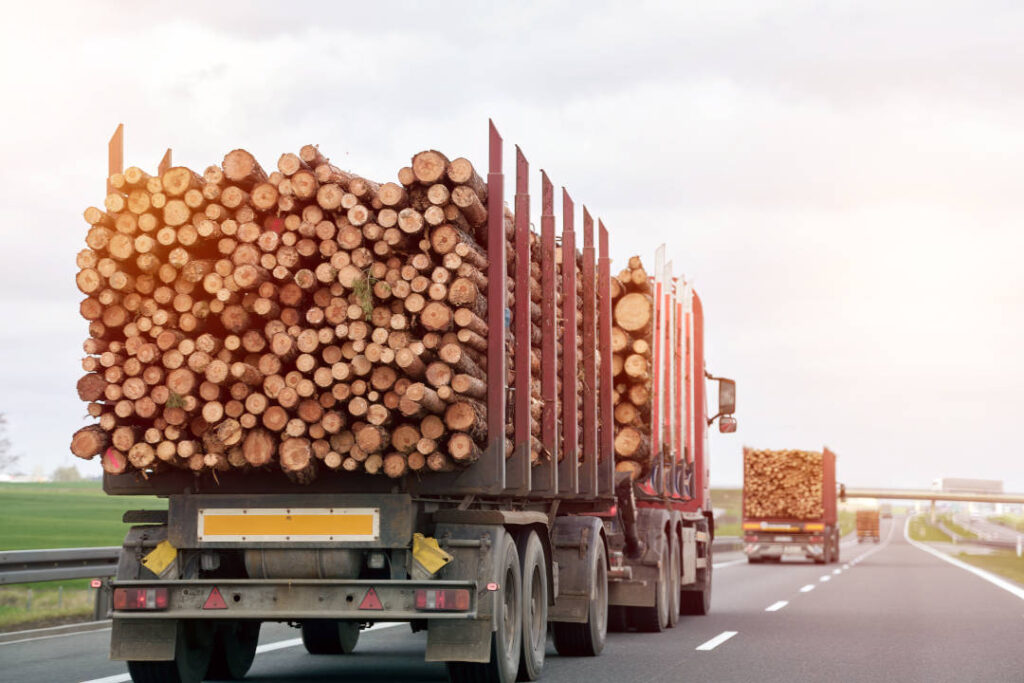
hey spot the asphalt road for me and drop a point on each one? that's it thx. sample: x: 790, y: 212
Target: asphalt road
x: 887, y: 612
x: 986, y: 530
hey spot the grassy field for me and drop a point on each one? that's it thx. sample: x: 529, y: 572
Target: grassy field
x: 731, y: 502
x: 66, y: 515
x: 947, y: 519
x: 1002, y: 562
x: 921, y: 530
x: 44, y: 604
x: 1012, y: 521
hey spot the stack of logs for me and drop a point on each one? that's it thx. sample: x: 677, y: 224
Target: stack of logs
x: 305, y: 319
x: 632, y: 337
x: 786, y: 484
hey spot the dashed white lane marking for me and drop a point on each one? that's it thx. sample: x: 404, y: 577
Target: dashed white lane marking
x: 827, y: 577
x: 836, y: 572
x: 268, y: 647
x: 981, y: 573
x: 775, y: 607
x: 808, y: 588
x: 846, y: 566
x: 730, y: 563
x: 717, y: 640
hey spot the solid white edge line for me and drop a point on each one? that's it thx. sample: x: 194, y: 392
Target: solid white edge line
x: 775, y: 607
x: 716, y: 641
x: 55, y: 635
x: 268, y: 647
x: 980, y: 573
x: 808, y: 588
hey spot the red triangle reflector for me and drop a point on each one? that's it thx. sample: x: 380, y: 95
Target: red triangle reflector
x: 371, y: 601
x: 215, y: 601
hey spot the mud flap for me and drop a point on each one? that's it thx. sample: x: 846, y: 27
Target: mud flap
x: 143, y: 640
x: 575, y: 541
x: 472, y: 549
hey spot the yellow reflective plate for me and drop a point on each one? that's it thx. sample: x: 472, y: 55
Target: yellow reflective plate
x: 291, y: 524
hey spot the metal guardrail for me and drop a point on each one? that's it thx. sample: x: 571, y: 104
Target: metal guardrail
x: 57, y: 564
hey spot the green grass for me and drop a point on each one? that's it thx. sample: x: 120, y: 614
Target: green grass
x: 847, y: 522
x: 49, y: 604
x: 64, y: 515
x: 947, y: 520
x: 921, y: 530
x: 1015, y: 522
x: 731, y: 501
x: 1005, y: 563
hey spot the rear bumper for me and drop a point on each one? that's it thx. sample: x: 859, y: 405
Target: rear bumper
x: 794, y: 548
x: 298, y: 599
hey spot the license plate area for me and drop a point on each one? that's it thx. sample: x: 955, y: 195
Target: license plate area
x: 287, y: 525
x: 783, y: 539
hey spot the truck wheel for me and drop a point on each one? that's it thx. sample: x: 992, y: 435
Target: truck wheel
x: 675, y: 584
x: 826, y: 552
x: 191, y: 658
x: 618, y: 619
x: 587, y: 640
x: 234, y: 650
x: 698, y: 601
x: 330, y: 636
x: 506, y: 640
x: 533, y: 568
x: 753, y: 560
x: 655, y: 619
x: 835, y: 551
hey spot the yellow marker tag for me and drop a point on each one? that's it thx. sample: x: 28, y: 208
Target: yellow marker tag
x: 161, y: 558
x: 429, y: 554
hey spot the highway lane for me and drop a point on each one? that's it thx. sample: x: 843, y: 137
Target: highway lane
x: 892, y: 612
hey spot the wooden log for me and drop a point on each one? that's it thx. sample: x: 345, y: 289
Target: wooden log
x: 467, y: 415
x: 242, y: 169
x: 631, y: 443
x: 429, y: 167
x: 297, y: 460
x: 463, y: 449
x: 88, y: 442
x: 633, y: 314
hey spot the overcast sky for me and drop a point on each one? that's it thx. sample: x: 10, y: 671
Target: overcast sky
x: 840, y: 181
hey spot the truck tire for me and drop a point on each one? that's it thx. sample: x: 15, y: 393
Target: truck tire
x: 330, y: 636
x: 698, y: 601
x: 675, y: 584
x: 655, y: 619
x: 618, y: 619
x: 835, y: 549
x: 234, y: 650
x: 506, y: 641
x: 587, y: 640
x: 533, y: 568
x: 191, y: 657
x: 826, y: 552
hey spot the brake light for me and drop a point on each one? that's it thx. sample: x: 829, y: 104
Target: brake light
x: 750, y: 539
x: 140, y: 598
x: 442, y: 600
x: 816, y: 539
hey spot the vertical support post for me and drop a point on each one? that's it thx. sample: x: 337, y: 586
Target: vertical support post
x: 588, y: 481
x: 165, y: 163
x: 1020, y: 544
x: 545, y: 475
x: 517, y: 469
x: 606, y: 433
x: 668, y: 426
x: 115, y: 154
x: 658, y: 374
x: 568, y: 469
x: 680, y: 386
x: 492, y: 465
x: 932, y: 513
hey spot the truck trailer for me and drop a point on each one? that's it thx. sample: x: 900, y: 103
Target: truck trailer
x: 485, y: 558
x: 799, y: 492
x: 867, y: 526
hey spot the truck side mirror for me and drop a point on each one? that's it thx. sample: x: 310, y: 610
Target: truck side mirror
x: 726, y: 396
x: 727, y: 424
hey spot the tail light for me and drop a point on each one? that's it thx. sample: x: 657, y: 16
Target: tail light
x: 816, y: 539
x: 140, y: 598
x: 750, y: 539
x: 442, y: 600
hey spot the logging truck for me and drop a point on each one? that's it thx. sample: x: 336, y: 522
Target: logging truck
x: 789, y: 506
x: 868, y: 526
x: 483, y: 505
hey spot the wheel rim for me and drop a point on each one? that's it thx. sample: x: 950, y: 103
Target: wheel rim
x: 602, y: 597
x: 537, y: 630
x: 509, y: 615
